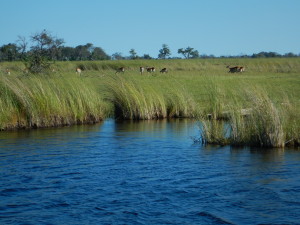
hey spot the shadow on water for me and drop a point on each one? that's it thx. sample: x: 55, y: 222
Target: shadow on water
x: 147, y: 172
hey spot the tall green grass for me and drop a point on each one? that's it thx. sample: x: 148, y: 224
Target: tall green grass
x: 37, y: 101
x: 134, y: 100
x: 268, y: 123
x: 268, y: 91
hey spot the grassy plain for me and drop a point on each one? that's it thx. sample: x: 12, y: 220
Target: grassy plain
x: 270, y: 87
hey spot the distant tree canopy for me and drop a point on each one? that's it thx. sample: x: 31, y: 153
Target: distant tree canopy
x: 272, y: 55
x: 133, y: 54
x: 164, y: 52
x: 9, y: 52
x: 188, y: 53
x: 43, y: 47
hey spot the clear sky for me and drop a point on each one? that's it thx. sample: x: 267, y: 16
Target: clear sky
x: 218, y: 27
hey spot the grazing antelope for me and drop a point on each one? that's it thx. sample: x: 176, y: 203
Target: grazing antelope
x: 7, y: 71
x: 120, y: 70
x: 78, y: 70
x: 236, y: 69
x: 150, y: 69
x: 241, y: 69
x: 142, y: 69
x: 164, y: 70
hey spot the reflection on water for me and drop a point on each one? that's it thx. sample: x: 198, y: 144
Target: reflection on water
x: 147, y: 172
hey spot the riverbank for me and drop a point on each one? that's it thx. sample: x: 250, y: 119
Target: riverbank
x: 191, y: 88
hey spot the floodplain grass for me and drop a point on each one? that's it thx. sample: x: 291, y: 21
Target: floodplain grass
x: 191, y: 88
x: 38, y: 101
x: 253, y: 120
x: 134, y: 100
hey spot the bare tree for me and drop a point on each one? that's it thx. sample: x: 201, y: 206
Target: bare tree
x: 22, y: 45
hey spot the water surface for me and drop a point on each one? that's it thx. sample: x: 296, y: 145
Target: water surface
x: 148, y: 172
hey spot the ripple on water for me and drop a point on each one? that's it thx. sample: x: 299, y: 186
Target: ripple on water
x: 142, y: 173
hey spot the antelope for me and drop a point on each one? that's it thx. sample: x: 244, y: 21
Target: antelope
x: 241, y: 69
x: 164, y: 70
x: 120, y: 70
x: 78, y: 70
x: 236, y: 69
x: 150, y: 69
x: 7, y: 71
x: 142, y: 70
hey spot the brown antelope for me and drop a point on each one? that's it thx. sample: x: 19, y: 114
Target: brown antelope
x: 241, y: 69
x: 78, y: 70
x: 142, y: 69
x: 236, y: 69
x: 120, y: 70
x: 164, y: 70
x: 7, y: 71
x: 150, y: 69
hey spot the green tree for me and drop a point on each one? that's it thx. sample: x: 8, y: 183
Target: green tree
x: 68, y: 53
x: 117, y: 56
x: 146, y: 56
x: 164, y: 52
x: 188, y: 52
x: 9, y: 52
x: 133, y: 54
x: 99, y: 54
x: 83, y: 52
x: 43, y: 52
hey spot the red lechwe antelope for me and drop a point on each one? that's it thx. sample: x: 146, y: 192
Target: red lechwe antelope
x: 236, y: 69
x: 150, y: 69
x: 7, y: 71
x: 120, y: 70
x: 164, y: 70
x: 142, y: 69
x: 78, y: 70
x: 241, y: 69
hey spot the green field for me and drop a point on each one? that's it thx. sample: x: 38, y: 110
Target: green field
x: 191, y: 88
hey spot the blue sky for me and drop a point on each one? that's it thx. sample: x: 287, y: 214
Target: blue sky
x: 219, y: 27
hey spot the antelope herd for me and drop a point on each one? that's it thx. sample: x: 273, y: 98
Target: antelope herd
x: 232, y: 69
x: 142, y: 70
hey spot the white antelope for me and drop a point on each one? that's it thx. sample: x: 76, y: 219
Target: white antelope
x: 78, y: 71
x: 120, y: 70
x: 164, y: 70
x: 142, y: 69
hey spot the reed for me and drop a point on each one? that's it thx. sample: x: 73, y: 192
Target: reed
x: 35, y: 101
x: 131, y: 101
x: 197, y: 87
x: 134, y: 100
x: 265, y: 124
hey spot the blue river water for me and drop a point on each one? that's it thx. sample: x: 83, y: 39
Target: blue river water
x: 148, y: 172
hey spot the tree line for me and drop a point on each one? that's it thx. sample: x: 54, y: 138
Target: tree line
x: 43, y: 47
